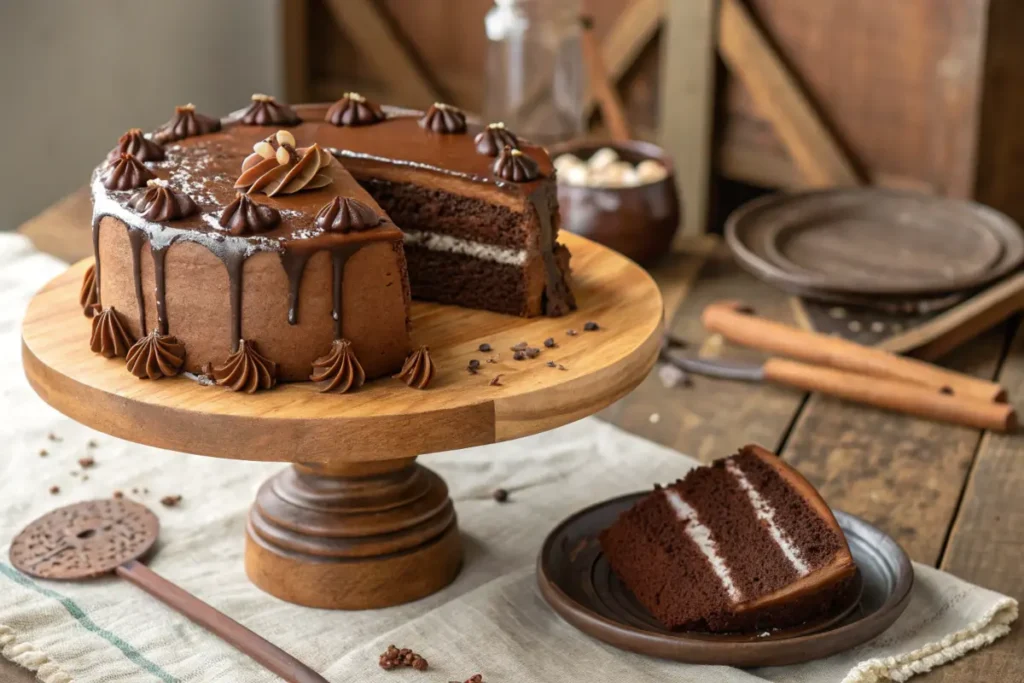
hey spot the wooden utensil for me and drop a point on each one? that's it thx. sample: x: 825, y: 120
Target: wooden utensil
x: 612, y: 111
x: 737, y: 324
x: 97, y: 537
x: 898, y: 396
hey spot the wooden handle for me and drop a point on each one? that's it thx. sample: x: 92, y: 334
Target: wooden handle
x: 728, y: 319
x: 266, y: 653
x: 607, y: 98
x: 901, y: 397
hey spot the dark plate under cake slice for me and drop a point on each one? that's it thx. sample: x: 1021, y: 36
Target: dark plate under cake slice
x: 743, y: 544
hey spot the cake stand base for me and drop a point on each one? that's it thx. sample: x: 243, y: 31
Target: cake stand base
x: 353, y: 536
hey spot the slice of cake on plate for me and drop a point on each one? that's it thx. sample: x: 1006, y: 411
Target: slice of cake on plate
x: 744, y: 544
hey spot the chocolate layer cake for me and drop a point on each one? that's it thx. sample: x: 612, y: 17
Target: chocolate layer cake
x: 744, y: 544
x: 252, y: 247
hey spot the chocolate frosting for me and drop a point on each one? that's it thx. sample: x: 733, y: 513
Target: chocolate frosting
x: 491, y: 140
x: 245, y: 217
x: 345, y: 214
x: 160, y: 202
x: 156, y: 355
x: 87, y: 295
x: 109, y: 338
x: 127, y: 173
x: 246, y: 370
x: 418, y: 369
x: 339, y: 370
x: 354, y: 110
x: 513, y: 165
x: 138, y: 145
x: 444, y: 118
x: 287, y: 171
x: 186, y: 123
x: 267, y: 111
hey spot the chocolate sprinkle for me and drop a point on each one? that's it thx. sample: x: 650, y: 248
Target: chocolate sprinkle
x: 500, y: 495
x: 485, y: 348
x: 550, y: 342
x: 590, y: 326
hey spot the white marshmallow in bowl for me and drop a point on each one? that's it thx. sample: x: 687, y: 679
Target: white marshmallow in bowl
x: 563, y: 162
x: 651, y: 171
x: 602, y: 158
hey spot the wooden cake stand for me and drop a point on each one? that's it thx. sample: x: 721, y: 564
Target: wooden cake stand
x: 356, y: 523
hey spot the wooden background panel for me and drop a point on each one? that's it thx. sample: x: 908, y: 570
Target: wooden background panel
x: 901, y: 473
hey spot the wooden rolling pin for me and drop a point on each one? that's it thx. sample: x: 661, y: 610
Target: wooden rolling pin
x: 729, y: 319
x: 903, y: 397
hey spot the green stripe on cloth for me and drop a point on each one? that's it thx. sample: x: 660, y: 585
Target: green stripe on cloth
x: 88, y: 624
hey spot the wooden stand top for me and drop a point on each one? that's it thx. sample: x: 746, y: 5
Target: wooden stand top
x: 384, y: 419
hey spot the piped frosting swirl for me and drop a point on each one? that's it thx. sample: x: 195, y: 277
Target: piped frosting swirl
x: 418, y: 369
x: 246, y: 370
x: 109, y: 338
x: 444, y: 118
x: 354, y: 110
x: 345, y: 214
x: 491, y: 140
x: 339, y: 370
x: 244, y: 216
x: 160, y: 202
x: 264, y: 110
x: 186, y: 123
x: 513, y: 165
x: 284, y: 169
x: 156, y: 355
x: 127, y: 173
x: 139, y: 146
x: 87, y: 295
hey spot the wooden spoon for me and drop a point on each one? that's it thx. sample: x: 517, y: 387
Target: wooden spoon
x: 88, y: 540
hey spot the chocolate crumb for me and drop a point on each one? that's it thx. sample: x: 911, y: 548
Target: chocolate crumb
x: 475, y: 678
x: 520, y: 346
x: 552, y: 364
x: 86, y: 462
x: 145, y: 490
x: 392, y: 658
x: 135, y: 491
x: 118, y: 495
x: 496, y: 382
x: 571, y: 333
x: 85, y: 477
x: 500, y: 495
x: 493, y: 359
x: 54, y: 490
x: 170, y: 501
x: 531, y: 352
x: 590, y: 326
x: 519, y: 355
x: 43, y: 452
x: 92, y: 444
x: 53, y: 437
x: 485, y: 348
x: 562, y: 367
x: 473, y: 367
x: 550, y: 342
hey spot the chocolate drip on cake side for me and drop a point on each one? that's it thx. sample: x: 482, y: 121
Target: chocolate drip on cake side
x: 558, y: 300
x: 96, y: 256
x: 137, y: 239
x: 294, y: 264
x: 339, y: 257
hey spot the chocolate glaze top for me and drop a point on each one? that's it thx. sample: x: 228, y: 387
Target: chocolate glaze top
x: 206, y: 166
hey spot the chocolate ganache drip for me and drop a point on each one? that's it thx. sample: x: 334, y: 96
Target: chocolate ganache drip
x: 284, y: 169
x: 244, y: 216
x: 418, y: 369
x: 156, y: 355
x: 491, y: 140
x: 160, y: 202
x: 444, y: 118
x: 513, y: 165
x: 186, y: 123
x: 267, y: 111
x: 127, y: 173
x: 139, y: 146
x: 246, y: 370
x: 339, y: 370
x: 109, y: 338
x: 354, y: 110
x: 345, y: 214
x: 87, y: 295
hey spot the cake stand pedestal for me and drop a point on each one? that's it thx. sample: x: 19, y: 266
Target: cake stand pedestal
x: 356, y: 522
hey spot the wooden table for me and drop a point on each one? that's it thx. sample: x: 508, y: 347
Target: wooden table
x: 950, y: 495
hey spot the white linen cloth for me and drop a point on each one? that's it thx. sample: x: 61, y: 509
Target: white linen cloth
x: 491, y: 620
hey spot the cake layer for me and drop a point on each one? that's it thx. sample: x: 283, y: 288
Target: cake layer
x: 743, y: 544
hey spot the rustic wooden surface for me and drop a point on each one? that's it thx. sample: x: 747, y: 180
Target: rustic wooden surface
x: 949, y: 494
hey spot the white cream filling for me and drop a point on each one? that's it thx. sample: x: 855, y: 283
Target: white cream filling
x: 701, y: 535
x: 454, y: 245
x: 766, y: 513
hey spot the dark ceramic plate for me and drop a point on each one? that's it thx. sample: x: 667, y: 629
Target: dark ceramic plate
x: 577, y: 582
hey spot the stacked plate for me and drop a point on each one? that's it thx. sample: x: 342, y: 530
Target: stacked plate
x: 891, y: 251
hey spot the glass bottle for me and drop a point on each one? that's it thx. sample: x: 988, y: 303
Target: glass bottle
x: 536, y: 80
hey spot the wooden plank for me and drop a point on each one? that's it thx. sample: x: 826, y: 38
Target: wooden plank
x: 902, y: 474
x: 687, y: 104
x: 986, y: 543
x: 295, y: 49
x: 713, y: 417
x: 384, y: 51
x: 812, y: 146
x: 64, y: 229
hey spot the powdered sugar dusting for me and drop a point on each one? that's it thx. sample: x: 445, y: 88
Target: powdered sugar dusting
x: 701, y: 535
x: 766, y: 513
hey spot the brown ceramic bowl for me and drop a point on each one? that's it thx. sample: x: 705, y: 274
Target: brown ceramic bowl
x: 638, y: 221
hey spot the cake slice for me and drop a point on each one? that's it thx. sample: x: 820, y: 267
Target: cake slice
x: 744, y: 544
